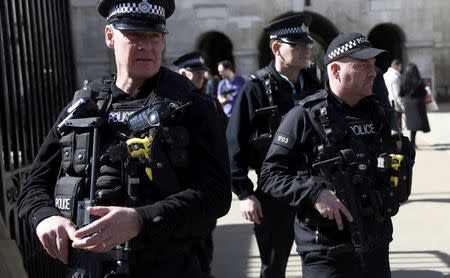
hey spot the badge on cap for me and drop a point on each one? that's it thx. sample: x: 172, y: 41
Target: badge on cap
x: 144, y: 6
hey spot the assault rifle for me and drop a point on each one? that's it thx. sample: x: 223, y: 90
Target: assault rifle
x: 83, y: 115
x: 342, y: 172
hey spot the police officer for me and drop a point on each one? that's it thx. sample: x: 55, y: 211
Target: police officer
x: 160, y: 204
x: 270, y: 93
x: 192, y: 65
x: 323, y: 163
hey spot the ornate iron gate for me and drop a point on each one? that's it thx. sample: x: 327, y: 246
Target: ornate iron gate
x: 36, y: 81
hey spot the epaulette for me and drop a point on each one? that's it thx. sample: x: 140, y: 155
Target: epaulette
x: 98, y: 90
x: 100, y: 87
x: 313, y: 99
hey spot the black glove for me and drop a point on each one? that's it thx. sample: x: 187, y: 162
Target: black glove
x: 109, y: 185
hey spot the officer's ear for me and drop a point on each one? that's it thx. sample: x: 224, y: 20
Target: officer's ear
x: 275, y: 46
x: 109, y: 36
x: 335, y: 69
x: 182, y: 71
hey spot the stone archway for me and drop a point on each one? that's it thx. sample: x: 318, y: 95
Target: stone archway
x: 215, y: 47
x: 322, y: 31
x: 390, y: 37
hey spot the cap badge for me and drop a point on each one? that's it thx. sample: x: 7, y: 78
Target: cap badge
x: 144, y: 6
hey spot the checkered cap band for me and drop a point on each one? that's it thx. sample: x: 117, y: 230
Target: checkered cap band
x: 138, y: 8
x: 289, y: 31
x: 340, y: 51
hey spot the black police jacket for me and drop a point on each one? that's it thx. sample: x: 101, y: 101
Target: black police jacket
x: 287, y: 172
x: 169, y: 223
x: 244, y: 123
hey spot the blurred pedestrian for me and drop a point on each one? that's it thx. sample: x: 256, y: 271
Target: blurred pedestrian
x: 412, y: 89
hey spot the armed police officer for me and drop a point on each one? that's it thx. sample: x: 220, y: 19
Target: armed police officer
x: 341, y: 162
x: 271, y: 92
x: 148, y: 151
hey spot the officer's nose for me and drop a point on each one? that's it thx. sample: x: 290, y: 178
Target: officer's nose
x: 144, y: 42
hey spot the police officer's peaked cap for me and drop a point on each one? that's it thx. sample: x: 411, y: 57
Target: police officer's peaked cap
x: 140, y: 15
x: 291, y: 29
x: 353, y: 45
x: 191, y: 61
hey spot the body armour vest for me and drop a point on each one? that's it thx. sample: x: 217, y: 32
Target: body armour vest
x: 360, y: 131
x: 120, y: 152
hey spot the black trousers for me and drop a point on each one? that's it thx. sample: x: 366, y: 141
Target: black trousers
x: 183, y: 266
x: 274, y: 236
x: 206, y: 251
x: 318, y: 264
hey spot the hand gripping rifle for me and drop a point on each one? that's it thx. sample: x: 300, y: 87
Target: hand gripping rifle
x: 342, y: 172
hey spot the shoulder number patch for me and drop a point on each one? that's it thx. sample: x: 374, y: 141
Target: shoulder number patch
x: 283, y: 140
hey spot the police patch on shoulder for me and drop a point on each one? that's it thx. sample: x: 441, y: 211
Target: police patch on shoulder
x: 283, y: 140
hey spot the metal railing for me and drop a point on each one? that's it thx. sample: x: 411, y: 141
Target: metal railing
x: 36, y: 81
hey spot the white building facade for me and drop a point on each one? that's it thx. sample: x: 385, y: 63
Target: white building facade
x: 415, y: 31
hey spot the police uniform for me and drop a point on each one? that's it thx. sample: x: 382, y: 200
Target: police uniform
x: 323, y: 122
x: 189, y: 183
x: 193, y: 61
x: 275, y: 234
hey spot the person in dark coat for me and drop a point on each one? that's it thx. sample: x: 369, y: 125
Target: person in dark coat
x: 154, y: 200
x: 271, y: 93
x: 323, y: 163
x: 412, y: 89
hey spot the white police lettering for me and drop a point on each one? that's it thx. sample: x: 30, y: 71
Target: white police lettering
x: 118, y: 117
x: 62, y: 203
x: 363, y: 129
x: 282, y: 139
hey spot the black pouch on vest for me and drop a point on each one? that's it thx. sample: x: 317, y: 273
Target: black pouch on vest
x: 179, y: 158
x: 390, y: 201
x: 174, y: 136
x: 67, y: 152
x: 259, y: 146
x: 81, y: 155
x: 68, y: 191
x: 176, y: 139
x: 406, y: 170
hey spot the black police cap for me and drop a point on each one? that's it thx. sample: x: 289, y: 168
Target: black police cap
x: 140, y: 15
x: 291, y: 29
x: 353, y: 45
x: 191, y: 61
